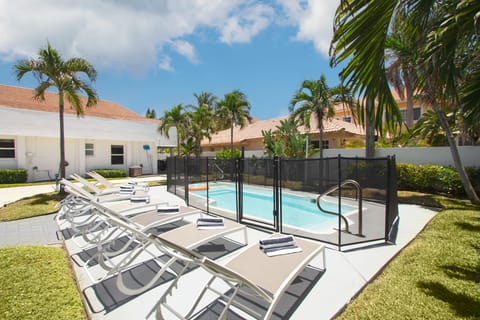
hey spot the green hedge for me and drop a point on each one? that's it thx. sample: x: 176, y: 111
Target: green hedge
x: 112, y: 173
x: 434, y: 179
x: 13, y: 175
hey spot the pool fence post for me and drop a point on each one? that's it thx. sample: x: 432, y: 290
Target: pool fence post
x: 187, y: 177
x: 339, y: 166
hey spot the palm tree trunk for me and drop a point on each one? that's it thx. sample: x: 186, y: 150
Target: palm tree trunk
x: 467, y: 185
x: 231, y: 141
x: 62, y: 139
x: 409, y: 94
x: 178, y: 145
x: 369, y: 130
x: 320, y: 143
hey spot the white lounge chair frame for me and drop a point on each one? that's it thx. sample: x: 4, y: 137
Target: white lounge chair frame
x: 267, y: 277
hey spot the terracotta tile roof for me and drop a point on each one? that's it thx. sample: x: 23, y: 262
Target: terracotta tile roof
x: 254, y: 130
x: 22, y: 98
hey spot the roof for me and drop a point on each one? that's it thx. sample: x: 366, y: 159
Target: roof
x: 254, y: 130
x: 22, y: 98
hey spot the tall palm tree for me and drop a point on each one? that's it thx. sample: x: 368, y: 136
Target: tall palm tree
x: 207, y: 99
x: 314, y: 98
x: 202, y: 118
x: 178, y: 118
x: 401, y: 72
x: 52, y: 71
x: 448, y: 27
x: 234, y: 110
x: 202, y: 124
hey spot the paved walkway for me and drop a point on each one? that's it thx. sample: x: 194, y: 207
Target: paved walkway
x: 36, y: 230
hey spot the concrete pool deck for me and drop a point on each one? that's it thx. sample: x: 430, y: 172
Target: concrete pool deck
x: 347, y: 272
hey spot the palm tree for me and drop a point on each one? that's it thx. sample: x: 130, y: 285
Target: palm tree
x: 234, y: 110
x: 314, y: 98
x: 207, y: 99
x: 202, y: 118
x: 52, y: 71
x: 401, y: 72
x: 202, y: 122
x: 360, y: 39
x: 176, y: 117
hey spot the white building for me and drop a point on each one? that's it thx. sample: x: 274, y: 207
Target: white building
x: 108, y: 136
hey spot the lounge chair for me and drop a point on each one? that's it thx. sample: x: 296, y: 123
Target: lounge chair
x: 128, y: 190
x: 143, y: 216
x: 109, y: 185
x: 189, y: 234
x: 250, y: 272
x: 99, y: 197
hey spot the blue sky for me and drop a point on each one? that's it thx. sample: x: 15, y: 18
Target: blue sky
x: 156, y: 54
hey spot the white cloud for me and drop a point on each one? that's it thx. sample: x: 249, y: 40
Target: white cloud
x: 116, y: 34
x: 185, y: 49
x: 165, y: 63
x: 246, y: 24
x: 131, y: 35
x: 314, y: 20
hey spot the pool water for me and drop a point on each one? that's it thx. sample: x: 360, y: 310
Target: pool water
x: 297, y: 211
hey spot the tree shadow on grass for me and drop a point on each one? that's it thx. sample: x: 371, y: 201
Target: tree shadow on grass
x: 44, y: 198
x: 468, y: 226
x: 462, y: 273
x: 462, y: 304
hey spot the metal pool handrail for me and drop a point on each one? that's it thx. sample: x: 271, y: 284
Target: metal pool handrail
x: 358, y: 198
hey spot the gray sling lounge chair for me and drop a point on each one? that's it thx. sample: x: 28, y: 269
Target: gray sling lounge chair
x: 266, y: 277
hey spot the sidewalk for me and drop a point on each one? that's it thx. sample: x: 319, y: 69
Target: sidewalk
x: 36, y: 230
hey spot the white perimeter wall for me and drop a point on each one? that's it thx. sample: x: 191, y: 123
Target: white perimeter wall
x: 470, y: 155
x: 442, y: 156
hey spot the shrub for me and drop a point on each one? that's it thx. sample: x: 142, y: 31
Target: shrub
x: 112, y: 173
x: 430, y: 178
x: 225, y: 154
x: 474, y: 174
x: 13, y: 175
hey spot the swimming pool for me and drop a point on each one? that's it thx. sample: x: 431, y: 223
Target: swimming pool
x: 297, y: 210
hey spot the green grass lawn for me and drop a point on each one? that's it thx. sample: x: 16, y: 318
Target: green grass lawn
x: 30, y: 207
x: 436, y: 277
x: 36, y: 283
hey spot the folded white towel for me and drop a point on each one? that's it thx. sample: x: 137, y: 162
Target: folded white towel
x: 210, y: 223
x: 127, y: 191
x: 168, y: 209
x: 140, y: 199
x: 281, y: 251
x: 210, y: 220
x: 277, y: 245
x: 277, y: 240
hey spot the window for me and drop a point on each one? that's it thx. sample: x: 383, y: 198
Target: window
x: 89, y: 149
x: 117, y: 154
x: 325, y: 144
x: 417, y: 113
x: 347, y: 119
x: 7, y: 149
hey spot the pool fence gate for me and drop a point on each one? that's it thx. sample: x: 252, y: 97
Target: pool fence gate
x: 358, y: 194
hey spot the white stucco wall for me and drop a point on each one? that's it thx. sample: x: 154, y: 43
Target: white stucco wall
x: 470, y: 155
x: 442, y: 156
x: 37, y: 144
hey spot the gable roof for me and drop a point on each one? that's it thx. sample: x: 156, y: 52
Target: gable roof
x: 22, y: 98
x: 254, y: 130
